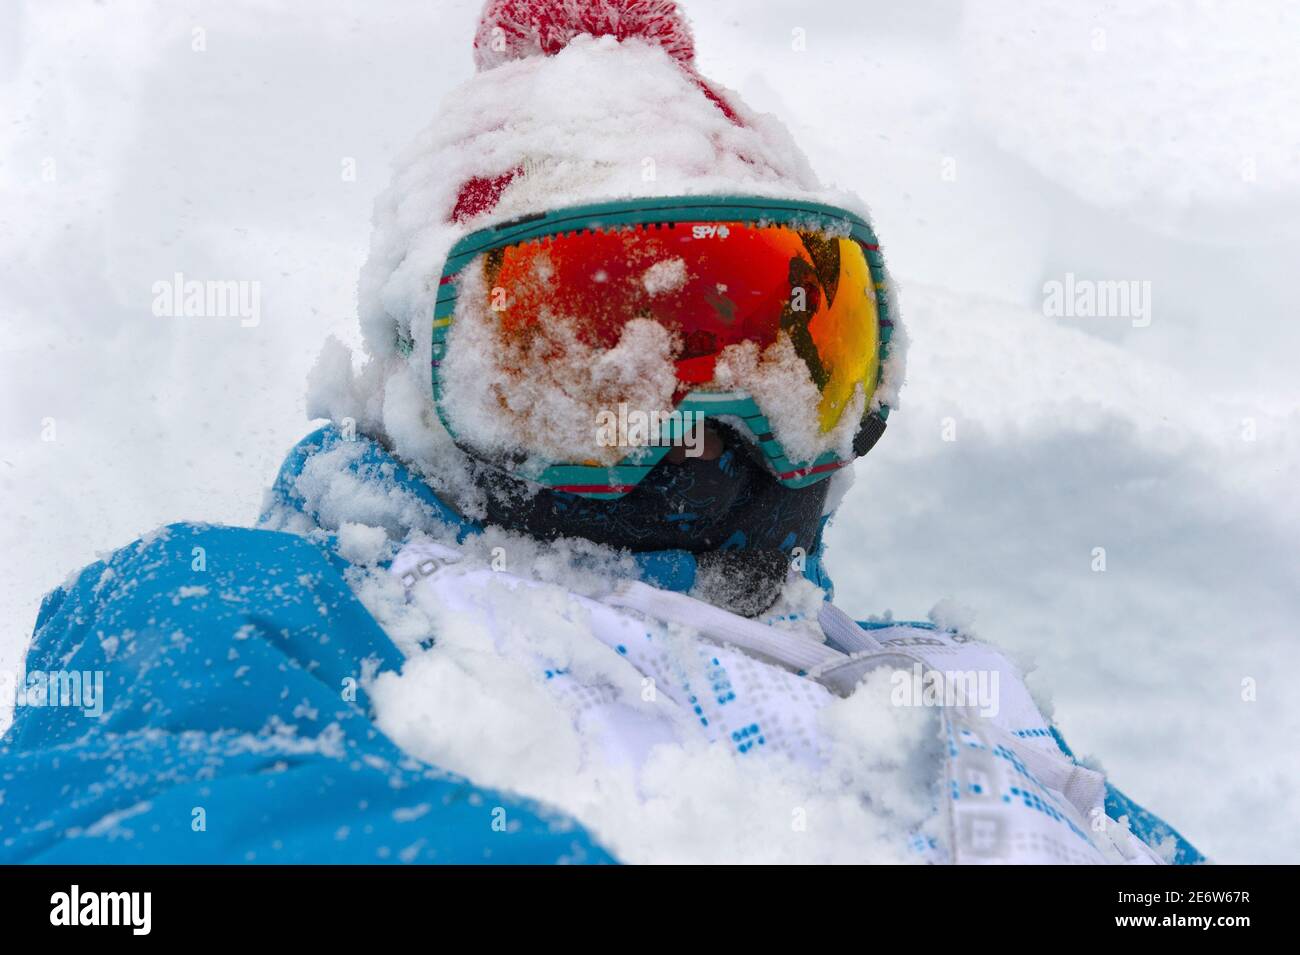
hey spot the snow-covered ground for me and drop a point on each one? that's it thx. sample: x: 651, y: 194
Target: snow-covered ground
x: 1001, y: 147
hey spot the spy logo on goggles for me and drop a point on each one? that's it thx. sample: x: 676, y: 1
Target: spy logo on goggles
x: 771, y: 315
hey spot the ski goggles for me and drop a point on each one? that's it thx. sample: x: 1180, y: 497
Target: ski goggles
x: 642, y: 319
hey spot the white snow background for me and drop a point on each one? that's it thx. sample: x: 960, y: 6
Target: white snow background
x: 999, y: 145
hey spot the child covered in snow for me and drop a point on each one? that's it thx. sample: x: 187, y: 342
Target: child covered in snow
x: 491, y: 614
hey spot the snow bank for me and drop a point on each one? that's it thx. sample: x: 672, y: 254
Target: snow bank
x: 1180, y: 137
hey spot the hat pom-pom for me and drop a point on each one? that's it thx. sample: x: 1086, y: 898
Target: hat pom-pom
x: 517, y: 29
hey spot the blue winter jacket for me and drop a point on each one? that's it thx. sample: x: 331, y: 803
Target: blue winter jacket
x: 231, y: 724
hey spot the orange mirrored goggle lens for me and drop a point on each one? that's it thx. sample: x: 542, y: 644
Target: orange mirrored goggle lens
x: 712, y: 284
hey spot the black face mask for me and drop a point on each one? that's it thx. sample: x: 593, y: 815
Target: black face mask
x: 730, y: 511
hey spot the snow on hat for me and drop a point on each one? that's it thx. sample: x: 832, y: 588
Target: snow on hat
x: 573, y: 101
